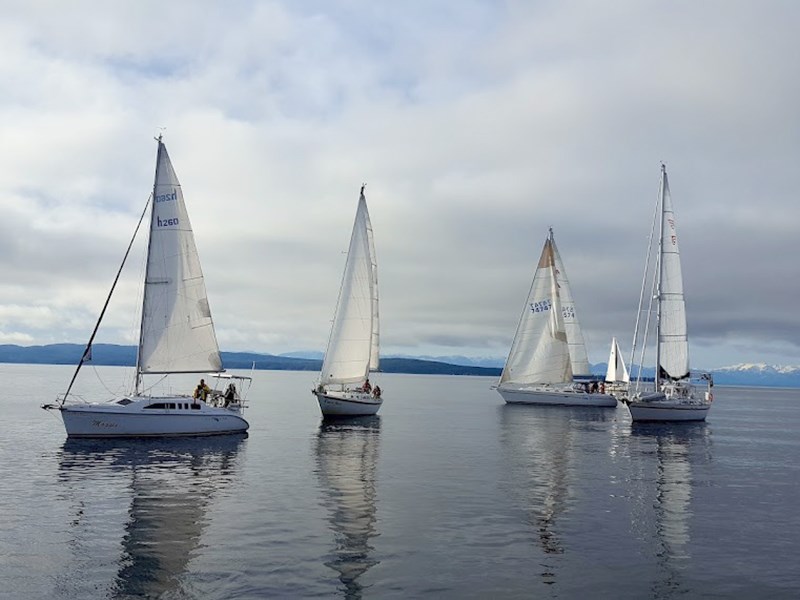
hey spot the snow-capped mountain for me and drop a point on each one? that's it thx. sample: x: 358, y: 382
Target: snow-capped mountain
x: 760, y: 368
x: 741, y: 374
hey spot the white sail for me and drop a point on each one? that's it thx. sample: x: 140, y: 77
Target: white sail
x: 616, y: 371
x: 672, y: 339
x: 540, y: 352
x: 350, y: 352
x: 374, y: 359
x: 577, y: 346
x: 177, y: 334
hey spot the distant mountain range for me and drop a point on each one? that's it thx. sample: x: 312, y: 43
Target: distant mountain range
x: 112, y: 354
x: 116, y: 355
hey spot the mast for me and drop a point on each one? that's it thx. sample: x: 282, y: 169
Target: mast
x: 147, y: 262
x: 659, y: 271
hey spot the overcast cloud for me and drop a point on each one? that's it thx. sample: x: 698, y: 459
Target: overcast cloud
x: 476, y: 126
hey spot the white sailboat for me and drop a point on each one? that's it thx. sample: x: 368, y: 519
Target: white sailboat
x: 548, y: 347
x: 674, y: 396
x: 617, y: 376
x: 353, y: 348
x: 616, y: 371
x: 176, y: 336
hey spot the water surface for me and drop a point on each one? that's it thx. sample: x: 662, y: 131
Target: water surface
x: 448, y: 493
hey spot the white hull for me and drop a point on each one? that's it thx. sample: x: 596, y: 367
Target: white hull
x: 555, y: 397
x: 136, y: 420
x: 668, y: 410
x: 347, y: 403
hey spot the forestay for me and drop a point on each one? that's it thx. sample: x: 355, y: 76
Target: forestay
x: 353, y: 347
x: 540, y: 352
x: 177, y: 334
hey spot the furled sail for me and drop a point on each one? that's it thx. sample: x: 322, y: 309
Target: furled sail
x: 672, y: 339
x: 353, y: 345
x: 177, y: 334
x: 540, y: 352
x: 577, y: 346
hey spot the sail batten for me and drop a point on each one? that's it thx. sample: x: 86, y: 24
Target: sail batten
x: 177, y: 332
x: 354, y: 345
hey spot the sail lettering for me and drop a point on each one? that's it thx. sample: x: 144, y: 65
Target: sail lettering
x: 540, y: 306
x: 166, y: 222
x: 568, y: 311
x: 167, y: 197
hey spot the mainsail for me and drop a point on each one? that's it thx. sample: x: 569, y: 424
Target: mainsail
x: 577, y: 346
x: 353, y: 346
x: 540, y: 352
x: 177, y: 333
x: 672, y: 337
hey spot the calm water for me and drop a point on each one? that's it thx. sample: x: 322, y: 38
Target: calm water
x: 449, y: 493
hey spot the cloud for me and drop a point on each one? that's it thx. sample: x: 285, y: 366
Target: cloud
x: 476, y: 127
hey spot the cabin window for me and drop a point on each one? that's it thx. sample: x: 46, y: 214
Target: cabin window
x: 171, y: 405
x: 195, y: 407
x: 124, y: 401
x: 156, y: 405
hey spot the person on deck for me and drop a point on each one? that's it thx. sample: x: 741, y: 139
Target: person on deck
x: 230, y: 395
x: 367, y: 386
x: 201, y: 392
x: 376, y: 391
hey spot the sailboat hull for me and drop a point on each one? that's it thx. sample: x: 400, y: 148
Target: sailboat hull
x: 139, y: 419
x: 348, y: 403
x: 555, y: 397
x: 667, y: 410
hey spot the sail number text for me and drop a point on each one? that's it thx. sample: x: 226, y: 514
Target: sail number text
x: 541, y: 306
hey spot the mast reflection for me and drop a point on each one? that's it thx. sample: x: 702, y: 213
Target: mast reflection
x: 170, y: 485
x: 677, y: 448
x: 347, y: 453
x: 537, y: 444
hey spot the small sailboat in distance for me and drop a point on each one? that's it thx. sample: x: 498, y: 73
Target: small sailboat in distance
x: 616, y: 372
x: 674, y: 396
x: 176, y: 336
x: 617, y: 376
x: 548, y: 342
x: 353, y: 349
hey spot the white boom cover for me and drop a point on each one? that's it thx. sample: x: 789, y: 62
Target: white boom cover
x: 177, y: 333
x: 577, y: 346
x: 616, y: 371
x: 540, y: 352
x: 672, y: 339
x: 353, y: 347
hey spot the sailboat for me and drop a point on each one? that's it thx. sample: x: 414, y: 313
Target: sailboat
x: 548, y: 348
x: 176, y: 336
x: 353, y: 347
x: 616, y: 372
x: 674, y: 396
x: 617, y: 376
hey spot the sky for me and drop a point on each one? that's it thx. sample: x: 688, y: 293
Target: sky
x: 476, y: 125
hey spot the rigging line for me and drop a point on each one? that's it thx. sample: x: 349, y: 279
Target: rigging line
x: 87, y: 351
